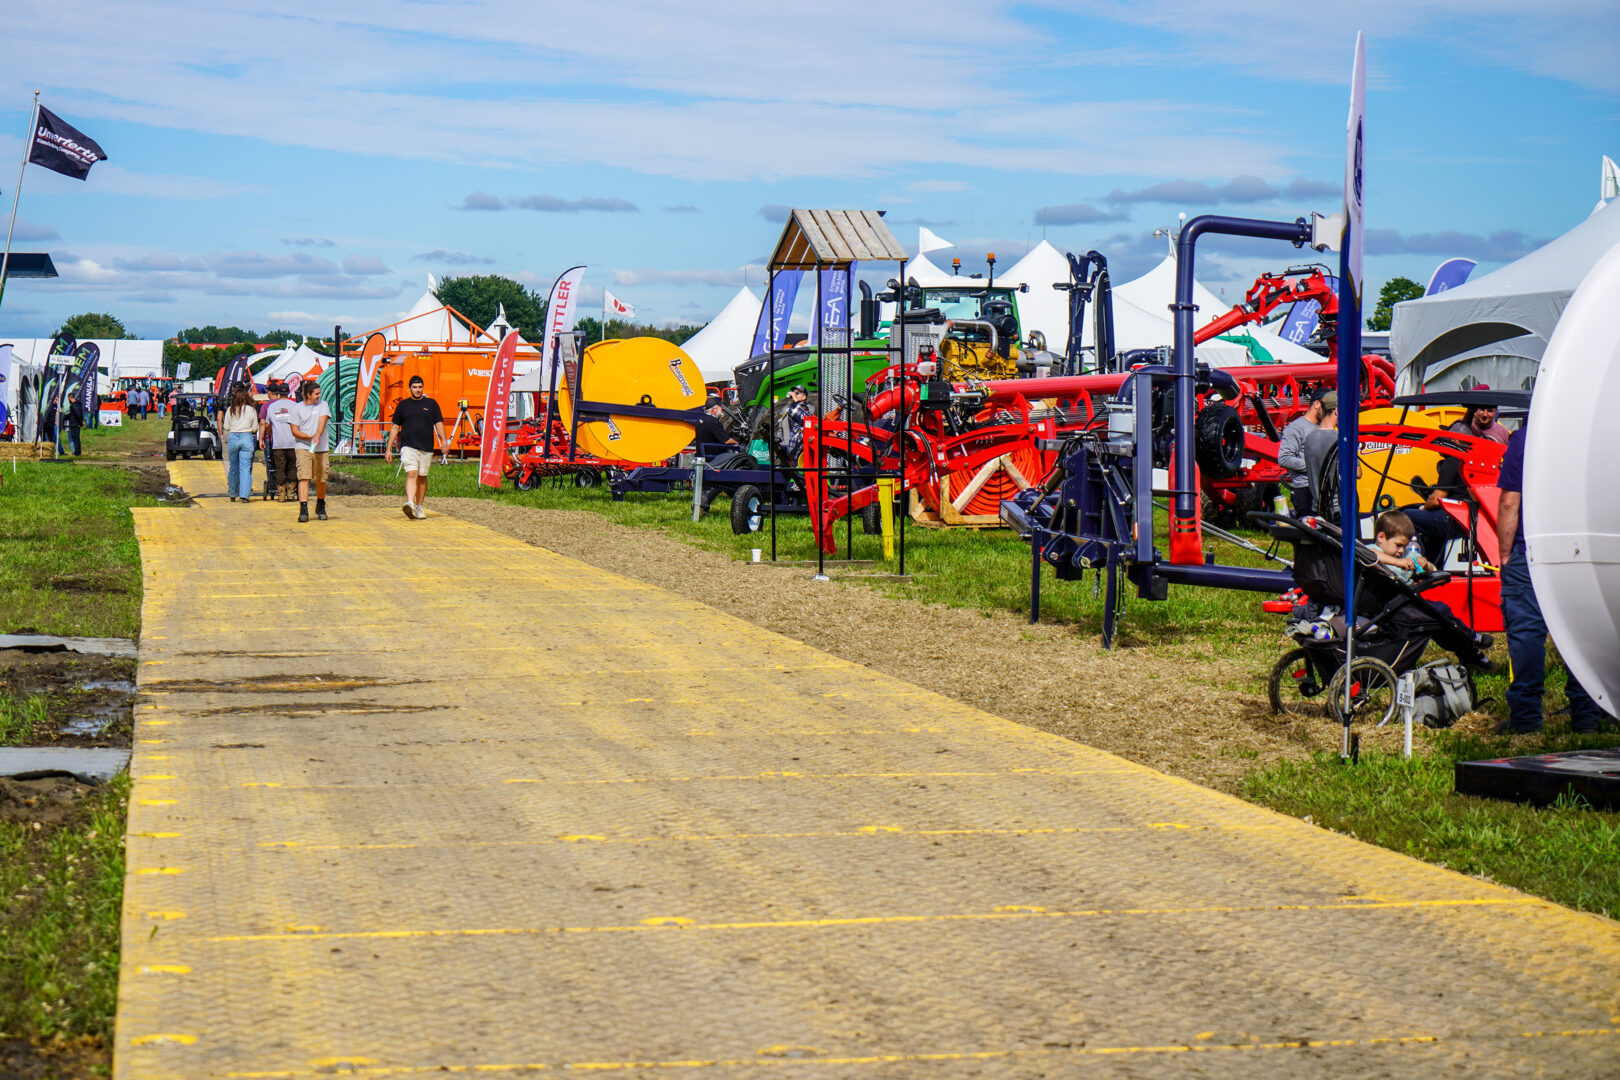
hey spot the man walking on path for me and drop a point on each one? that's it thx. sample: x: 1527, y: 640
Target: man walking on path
x: 308, y: 426
x: 418, y: 423
x: 1521, y: 614
x: 278, y: 437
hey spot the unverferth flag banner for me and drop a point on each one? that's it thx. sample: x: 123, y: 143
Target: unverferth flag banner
x: 492, y: 447
x: 63, y: 148
x: 89, y: 355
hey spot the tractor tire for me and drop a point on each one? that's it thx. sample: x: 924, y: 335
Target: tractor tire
x: 748, y: 510
x: 1218, y: 441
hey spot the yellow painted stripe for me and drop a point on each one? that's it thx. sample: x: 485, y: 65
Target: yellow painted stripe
x: 1009, y: 913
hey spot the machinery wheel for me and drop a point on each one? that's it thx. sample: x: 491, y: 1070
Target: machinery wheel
x: 747, y: 510
x: 1218, y: 441
x: 588, y: 479
x: 1296, y: 686
x: 1372, y: 691
x: 526, y: 480
x: 168, y: 452
x: 872, y: 519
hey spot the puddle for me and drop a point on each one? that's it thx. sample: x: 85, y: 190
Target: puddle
x: 174, y: 495
x: 88, y: 765
x: 119, y: 648
x: 122, y: 686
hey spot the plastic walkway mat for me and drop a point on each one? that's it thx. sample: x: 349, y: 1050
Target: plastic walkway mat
x: 415, y: 799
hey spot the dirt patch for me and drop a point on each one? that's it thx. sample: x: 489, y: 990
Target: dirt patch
x: 1138, y: 702
x: 342, y: 483
x: 84, y: 1059
x: 299, y: 710
x: 51, y: 801
x: 87, y: 700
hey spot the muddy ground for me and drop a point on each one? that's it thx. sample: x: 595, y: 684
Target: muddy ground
x: 1137, y: 702
x: 88, y: 699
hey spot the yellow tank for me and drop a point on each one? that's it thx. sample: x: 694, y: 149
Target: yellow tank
x: 635, y: 371
x: 1387, y: 473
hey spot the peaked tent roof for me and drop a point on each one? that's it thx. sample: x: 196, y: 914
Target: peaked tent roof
x: 1496, y: 326
x: 1155, y: 291
x: 725, y: 342
x: 427, y: 321
x: 1043, y: 308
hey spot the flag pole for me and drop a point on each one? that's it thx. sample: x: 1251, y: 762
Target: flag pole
x: 16, y: 192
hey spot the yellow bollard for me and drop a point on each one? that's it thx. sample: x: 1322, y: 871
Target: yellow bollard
x: 886, y: 516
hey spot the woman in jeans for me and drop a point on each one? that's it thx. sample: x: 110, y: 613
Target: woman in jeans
x: 241, y: 424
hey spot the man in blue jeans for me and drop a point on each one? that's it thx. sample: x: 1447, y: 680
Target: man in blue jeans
x: 1526, y: 630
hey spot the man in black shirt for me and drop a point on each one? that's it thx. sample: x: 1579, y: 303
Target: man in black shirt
x: 418, y: 425
x: 708, y: 430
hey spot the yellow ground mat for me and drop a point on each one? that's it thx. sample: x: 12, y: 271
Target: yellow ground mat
x: 412, y: 798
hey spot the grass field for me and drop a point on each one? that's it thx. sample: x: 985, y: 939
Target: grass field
x: 69, y: 563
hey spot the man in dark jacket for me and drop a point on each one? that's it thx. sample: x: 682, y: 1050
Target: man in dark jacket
x: 74, y: 423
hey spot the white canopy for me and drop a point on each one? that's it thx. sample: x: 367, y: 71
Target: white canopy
x: 1493, y: 329
x: 428, y: 321
x: 1155, y: 291
x: 119, y: 358
x: 286, y: 361
x: 725, y: 342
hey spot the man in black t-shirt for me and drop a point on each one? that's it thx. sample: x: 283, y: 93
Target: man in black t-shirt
x: 708, y: 429
x: 418, y: 426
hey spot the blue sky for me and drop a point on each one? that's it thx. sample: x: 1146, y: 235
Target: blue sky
x: 309, y: 163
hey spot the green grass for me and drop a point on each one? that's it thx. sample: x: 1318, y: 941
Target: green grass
x: 1566, y: 852
x: 132, y: 436
x: 20, y: 718
x: 69, y: 562
x: 60, y: 894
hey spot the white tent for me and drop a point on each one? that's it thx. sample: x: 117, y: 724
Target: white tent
x: 284, y: 362
x: 126, y: 358
x: 1493, y: 329
x: 725, y: 342
x: 1155, y: 291
x: 1042, y: 308
x: 428, y: 321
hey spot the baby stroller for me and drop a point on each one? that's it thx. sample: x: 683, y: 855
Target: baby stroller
x: 1394, y: 624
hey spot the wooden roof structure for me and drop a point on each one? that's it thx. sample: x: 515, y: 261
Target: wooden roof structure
x: 830, y: 238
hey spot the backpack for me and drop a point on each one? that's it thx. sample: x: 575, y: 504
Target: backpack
x: 1443, y: 693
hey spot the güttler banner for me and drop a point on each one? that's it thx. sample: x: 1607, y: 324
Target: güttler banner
x: 89, y: 355
x: 63, y: 148
x: 492, y: 447
x: 562, y: 311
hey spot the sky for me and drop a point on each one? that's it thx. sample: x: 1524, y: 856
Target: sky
x: 305, y: 165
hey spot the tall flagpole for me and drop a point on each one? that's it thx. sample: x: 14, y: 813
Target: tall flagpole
x: 28, y: 145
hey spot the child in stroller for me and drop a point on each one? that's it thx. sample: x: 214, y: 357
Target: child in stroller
x: 1394, y: 621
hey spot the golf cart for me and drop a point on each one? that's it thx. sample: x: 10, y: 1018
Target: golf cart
x: 191, y: 430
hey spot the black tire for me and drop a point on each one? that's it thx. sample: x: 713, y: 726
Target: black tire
x: 168, y: 452
x: 748, y: 510
x: 526, y: 480
x: 1372, y: 699
x: 1218, y: 441
x: 872, y: 519
x: 588, y: 479
x: 1296, y: 686
x: 733, y: 459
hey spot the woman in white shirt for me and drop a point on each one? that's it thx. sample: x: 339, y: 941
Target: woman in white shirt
x: 241, y: 423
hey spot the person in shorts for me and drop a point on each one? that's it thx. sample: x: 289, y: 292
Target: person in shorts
x: 277, y: 437
x: 308, y: 424
x: 418, y: 423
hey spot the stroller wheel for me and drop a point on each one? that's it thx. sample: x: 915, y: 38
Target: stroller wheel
x: 1298, y: 686
x: 1372, y: 692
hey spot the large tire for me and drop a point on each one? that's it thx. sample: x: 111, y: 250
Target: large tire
x: 1218, y: 441
x: 748, y: 510
x: 872, y: 519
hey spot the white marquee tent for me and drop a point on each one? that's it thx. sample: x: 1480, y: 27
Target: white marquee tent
x: 131, y: 359
x: 1494, y: 328
x: 725, y: 342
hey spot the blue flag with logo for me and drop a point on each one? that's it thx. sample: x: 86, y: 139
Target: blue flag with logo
x: 89, y: 355
x: 1449, y: 274
x: 774, y: 313
x: 834, y: 301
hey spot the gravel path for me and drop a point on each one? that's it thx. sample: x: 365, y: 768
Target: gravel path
x: 1136, y: 702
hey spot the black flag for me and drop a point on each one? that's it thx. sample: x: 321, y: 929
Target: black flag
x: 63, y: 148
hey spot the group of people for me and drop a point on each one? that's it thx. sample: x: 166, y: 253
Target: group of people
x: 296, y: 438
x: 1412, y: 540
x: 141, y: 401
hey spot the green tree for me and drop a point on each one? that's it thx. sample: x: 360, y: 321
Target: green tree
x: 1394, y: 291
x: 617, y: 328
x: 93, y: 324
x: 480, y: 296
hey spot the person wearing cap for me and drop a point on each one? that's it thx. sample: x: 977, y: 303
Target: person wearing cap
x: 709, y: 429
x: 1318, y: 447
x: 418, y: 425
x: 798, y: 411
x: 1291, y: 450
